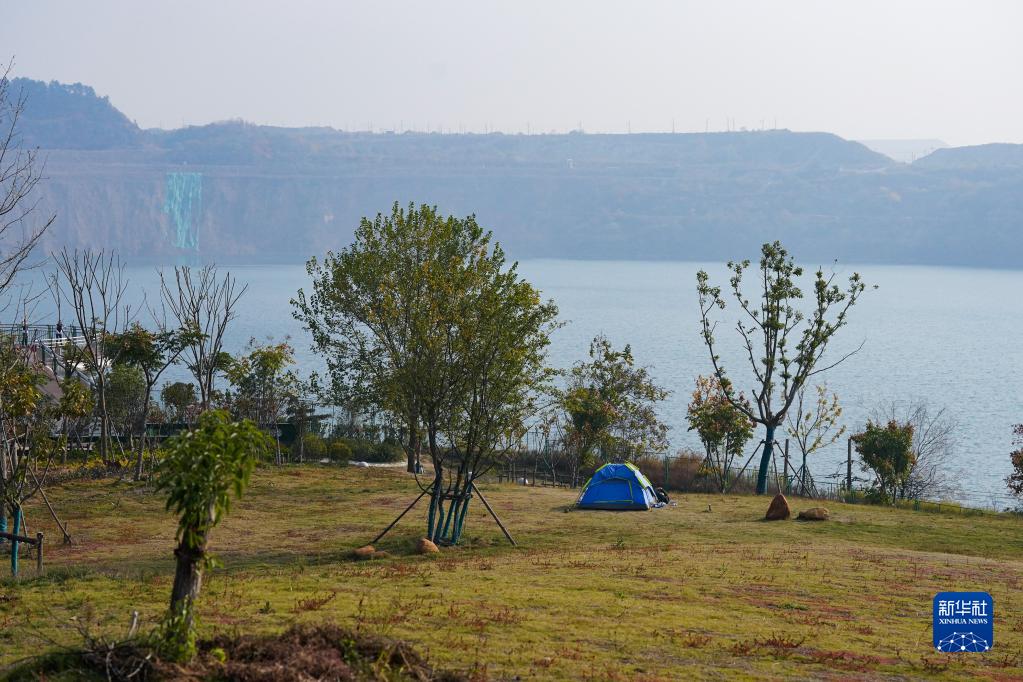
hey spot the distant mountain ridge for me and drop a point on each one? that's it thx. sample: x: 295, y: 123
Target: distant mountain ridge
x: 256, y: 193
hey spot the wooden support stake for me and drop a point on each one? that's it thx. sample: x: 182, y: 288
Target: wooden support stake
x: 393, y: 523
x: 62, y: 526
x: 39, y: 553
x: 489, y: 509
x: 785, y: 469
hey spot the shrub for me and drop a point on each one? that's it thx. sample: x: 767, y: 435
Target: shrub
x: 361, y: 450
x: 685, y: 472
x: 388, y: 451
x: 338, y: 450
x: 314, y: 447
x: 887, y: 451
x: 368, y: 451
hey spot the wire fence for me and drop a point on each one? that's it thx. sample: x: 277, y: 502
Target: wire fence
x: 538, y: 457
x: 542, y: 461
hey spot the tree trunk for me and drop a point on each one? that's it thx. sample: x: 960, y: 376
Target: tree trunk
x: 765, y: 459
x: 187, y: 580
x: 436, y: 513
x: 413, y: 439
x: 141, y: 427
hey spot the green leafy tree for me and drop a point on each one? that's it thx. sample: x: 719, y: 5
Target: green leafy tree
x: 28, y: 420
x: 934, y: 474
x: 200, y: 471
x: 886, y: 451
x: 151, y: 353
x: 409, y: 319
x: 126, y: 393
x: 496, y: 355
x: 610, y: 408
x: 264, y: 386
x: 724, y: 429
x: 75, y: 407
x: 23, y: 425
x: 179, y: 397
x: 300, y: 411
x: 380, y: 313
x: 785, y: 347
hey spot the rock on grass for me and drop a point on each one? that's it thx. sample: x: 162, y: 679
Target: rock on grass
x: 813, y: 514
x: 779, y: 509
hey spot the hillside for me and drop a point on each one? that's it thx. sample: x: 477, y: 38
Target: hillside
x: 231, y: 190
x: 701, y: 590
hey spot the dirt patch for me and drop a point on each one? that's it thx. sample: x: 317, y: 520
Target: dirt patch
x: 308, y: 652
x: 300, y: 654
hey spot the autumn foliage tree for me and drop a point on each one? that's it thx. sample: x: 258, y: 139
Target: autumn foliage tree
x: 724, y: 429
x: 1015, y: 480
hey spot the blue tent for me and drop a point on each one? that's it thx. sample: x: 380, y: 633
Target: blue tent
x: 619, y: 487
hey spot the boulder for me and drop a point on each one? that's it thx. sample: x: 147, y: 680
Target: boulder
x: 813, y: 514
x: 364, y: 552
x: 779, y: 509
x: 426, y: 547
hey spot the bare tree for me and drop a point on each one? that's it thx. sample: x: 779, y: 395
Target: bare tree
x: 204, y: 305
x: 934, y: 444
x: 92, y: 283
x: 20, y: 173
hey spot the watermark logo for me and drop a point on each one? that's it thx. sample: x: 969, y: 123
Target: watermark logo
x: 963, y: 621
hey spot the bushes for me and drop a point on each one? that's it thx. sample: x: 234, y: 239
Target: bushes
x: 368, y: 451
x: 312, y: 447
x: 685, y: 472
x: 887, y: 451
x: 348, y: 449
x: 338, y: 450
x: 344, y: 449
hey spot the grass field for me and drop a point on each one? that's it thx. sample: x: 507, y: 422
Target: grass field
x: 703, y: 590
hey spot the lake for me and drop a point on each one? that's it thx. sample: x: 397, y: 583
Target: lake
x: 949, y: 336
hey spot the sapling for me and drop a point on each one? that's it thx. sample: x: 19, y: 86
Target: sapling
x: 200, y: 471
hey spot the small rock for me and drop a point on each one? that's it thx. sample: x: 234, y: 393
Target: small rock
x: 426, y: 547
x: 779, y: 509
x: 364, y: 552
x: 814, y: 514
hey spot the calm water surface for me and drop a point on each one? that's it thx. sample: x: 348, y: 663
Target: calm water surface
x: 949, y: 336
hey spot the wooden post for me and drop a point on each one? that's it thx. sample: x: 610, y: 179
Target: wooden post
x: 848, y: 465
x: 393, y: 523
x: 785, y: 468
x: 487, y: 505
x: 39, y: 553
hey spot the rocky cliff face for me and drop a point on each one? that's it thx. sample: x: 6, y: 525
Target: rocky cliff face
x: 244, y: 192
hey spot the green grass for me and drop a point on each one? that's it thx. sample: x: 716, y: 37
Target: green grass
x: 680, y: 592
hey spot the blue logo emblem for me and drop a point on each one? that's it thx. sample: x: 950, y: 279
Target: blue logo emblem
x: 963, y: 621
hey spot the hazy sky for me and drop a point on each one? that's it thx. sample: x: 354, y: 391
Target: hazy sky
x: 890, y: 69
